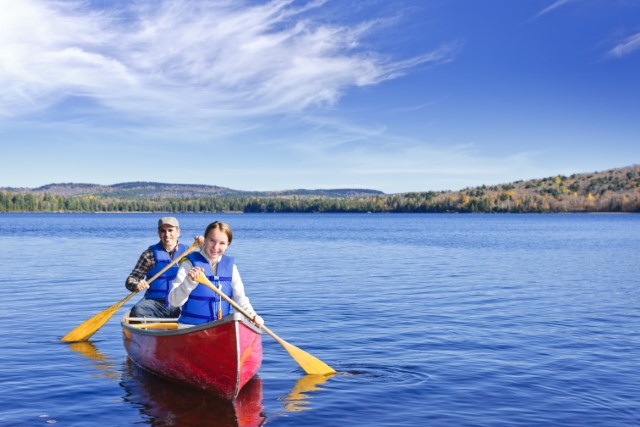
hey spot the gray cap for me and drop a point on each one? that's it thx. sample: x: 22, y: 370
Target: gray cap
x: 169, y: 220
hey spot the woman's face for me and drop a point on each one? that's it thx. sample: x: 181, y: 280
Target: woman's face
x: 215, y: 244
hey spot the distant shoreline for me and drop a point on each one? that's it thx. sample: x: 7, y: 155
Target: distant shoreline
x: 611, y: 191
x: 316, y: 213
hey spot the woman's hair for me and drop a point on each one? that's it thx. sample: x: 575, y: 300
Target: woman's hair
x: 220, y: 226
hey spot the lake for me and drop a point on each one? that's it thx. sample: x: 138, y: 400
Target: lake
x: 429, y: 319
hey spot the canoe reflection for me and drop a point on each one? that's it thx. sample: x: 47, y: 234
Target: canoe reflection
x: 169, y: 404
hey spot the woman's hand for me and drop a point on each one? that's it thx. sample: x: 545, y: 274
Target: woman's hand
x: 195, y: 272
x: 259, y: 321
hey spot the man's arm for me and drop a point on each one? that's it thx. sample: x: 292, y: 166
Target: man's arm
x: 139, y: 272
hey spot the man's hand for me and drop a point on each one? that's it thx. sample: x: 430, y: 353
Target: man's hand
x: 142, y: 285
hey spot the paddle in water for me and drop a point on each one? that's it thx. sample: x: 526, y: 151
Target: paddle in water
x: 310, y: 364
x: 83, y: 331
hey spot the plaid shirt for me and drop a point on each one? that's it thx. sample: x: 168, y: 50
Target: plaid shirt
x: 145, y: 263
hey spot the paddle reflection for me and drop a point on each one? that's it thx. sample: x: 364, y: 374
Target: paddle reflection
x: 100, y: 361
x: 164, y: 403
x: 298, y: 399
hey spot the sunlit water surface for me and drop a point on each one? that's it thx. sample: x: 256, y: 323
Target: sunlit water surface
x: 439, y: 320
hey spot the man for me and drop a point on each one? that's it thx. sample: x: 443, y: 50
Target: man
x: 151, y: 261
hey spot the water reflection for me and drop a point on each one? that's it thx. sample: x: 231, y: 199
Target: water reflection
x: 164, y: 403
x: 101, y: 362
x: 298, y: 399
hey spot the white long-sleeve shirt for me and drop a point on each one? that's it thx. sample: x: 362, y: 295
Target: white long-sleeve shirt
x: 182, y: 286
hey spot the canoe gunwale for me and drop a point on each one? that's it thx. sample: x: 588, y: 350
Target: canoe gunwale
x: 232, y: 317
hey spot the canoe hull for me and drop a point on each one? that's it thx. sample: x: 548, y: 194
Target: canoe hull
x: 220, y: 357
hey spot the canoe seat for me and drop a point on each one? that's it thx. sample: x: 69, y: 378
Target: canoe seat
x: 162, y: 325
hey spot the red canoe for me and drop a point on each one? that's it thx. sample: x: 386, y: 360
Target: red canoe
x: 220, y: 356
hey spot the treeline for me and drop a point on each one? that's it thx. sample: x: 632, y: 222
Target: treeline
x: 486, y: 200
x: 615, y: 190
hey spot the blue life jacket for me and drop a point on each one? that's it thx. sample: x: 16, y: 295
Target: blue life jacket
x: 203, y: 304
x: 160, y: 287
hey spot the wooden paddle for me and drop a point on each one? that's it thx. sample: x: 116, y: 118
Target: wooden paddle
x: 83, y: 331
x: 310, y: 364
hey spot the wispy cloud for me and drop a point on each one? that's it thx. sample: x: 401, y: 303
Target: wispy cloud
x: 185, y: 63
x: 625, y: 47
x: 556, y: 4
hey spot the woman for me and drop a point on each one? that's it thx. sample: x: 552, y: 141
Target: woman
x: 199, y: 303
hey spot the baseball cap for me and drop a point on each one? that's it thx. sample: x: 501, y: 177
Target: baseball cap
x: 169, y: 220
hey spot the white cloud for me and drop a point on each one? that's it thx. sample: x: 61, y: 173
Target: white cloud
x: 626, y: 46
x: 556, y: 4
x: 184, y: 63
x: 44, y: 56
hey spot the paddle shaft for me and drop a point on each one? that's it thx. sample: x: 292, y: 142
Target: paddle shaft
x: 190, y: 249
x: 239, y: 309
x: 310, y: 364
x: 159, y: 273
x: 203, y: 279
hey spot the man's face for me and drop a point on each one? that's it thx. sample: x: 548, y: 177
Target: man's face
x: 169, y: 236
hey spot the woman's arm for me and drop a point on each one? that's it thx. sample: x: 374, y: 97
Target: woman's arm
x: 182, y: 285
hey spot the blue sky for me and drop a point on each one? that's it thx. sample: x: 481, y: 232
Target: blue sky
x: 393, y: 95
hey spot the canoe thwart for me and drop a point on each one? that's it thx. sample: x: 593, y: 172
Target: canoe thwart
x: 160, y: 325
x: 152, y: 319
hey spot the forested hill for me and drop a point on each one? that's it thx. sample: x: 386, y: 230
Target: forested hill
x: 614, y: 190
x: 153, y: 190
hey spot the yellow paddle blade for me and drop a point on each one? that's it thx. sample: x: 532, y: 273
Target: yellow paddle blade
x: 310, y: 364
x: 83, y: 331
